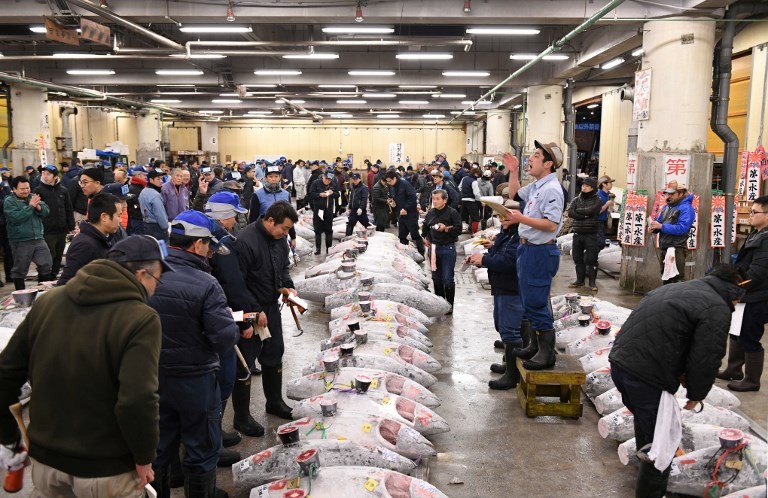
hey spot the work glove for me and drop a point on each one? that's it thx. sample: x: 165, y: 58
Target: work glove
x: 359, y: 212
x: 12, y: 456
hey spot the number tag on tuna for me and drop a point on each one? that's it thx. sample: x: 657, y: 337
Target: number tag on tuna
x: 374, y: 383
x: 370, y: 484
x: 388, y: 351
x: 385, y: 400
x: 294, y: 483
x: 367, y: 427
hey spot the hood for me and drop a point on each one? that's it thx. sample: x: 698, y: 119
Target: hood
x: 757, y: 239
x: 104, y: 281
x: 728, y: 291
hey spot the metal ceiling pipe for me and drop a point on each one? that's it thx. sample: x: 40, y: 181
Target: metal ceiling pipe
x: 106, y: 14
x: 569, y: 137
x: 552, y: 48
x: 299, y: 107
x: 10, y: 126
x: 66, y: 132
x: 515, y: 132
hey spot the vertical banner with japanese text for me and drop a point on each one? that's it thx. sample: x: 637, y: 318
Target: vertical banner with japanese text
x: 743, y: 172
x: 694, y: 230
x: 717, y: 222
x: 641, y: 211
x: 641, y: 105
x: 752, y: 191
x: 631, y: 171
x: 676, y: 168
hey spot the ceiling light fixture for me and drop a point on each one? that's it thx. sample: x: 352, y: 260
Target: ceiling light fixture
x: 449, y: 95
x: 482, y: 102
x: 176, y: 86
x: 215, y: 29
x: 75, y: 55
x: 467, y: 113
x: 359, y: 13
x: 517, y: 106
x: 422, y: 92
x: 205, y: 111
x: 260, y: 113
x: 414, y: 102
x: 611, y: 64
x: 199, y: 56
x: 264, y: 85
x: 248, y: 94
x: 341, y: 115
x: 381, y: 95
x: 277, y: 72
x: 417, y: 87
x: 467, y: 6
x: 427, y: 56
x: 530, y: 57
x: 178, y: 72
x: 637, y: 52
x: 336, y: 86
x: 388, y: 116
x: 359, y: 30
x: 37, y: 28
x: 165, y: 101
x: 351, y: 101
x: 502, y: 31
x: 370, y: 72
x: 227, y: 101
x: 230, y: 12
x: 593, y: 106
x: 313, y: 55
x: 466, y: 74
x: 90, y: 72
x: 435, y: 116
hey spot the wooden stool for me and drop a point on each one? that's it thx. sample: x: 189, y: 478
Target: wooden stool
x: 562, y: 381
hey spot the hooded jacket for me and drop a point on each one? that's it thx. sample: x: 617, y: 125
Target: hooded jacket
x: 91, y: 350
x: 60, y: 219
x: 88, y: 245
x: 676, y: 330
x: 676, y: 220
x: 482, y: 188
x: 753, y: 256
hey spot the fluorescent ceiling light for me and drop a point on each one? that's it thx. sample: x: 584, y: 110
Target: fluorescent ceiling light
x: 461, y: 74
x: 351, y: 101
x: 198, y: 56
x: 248, y: 94
x: 75, y: 55
x: 449, y: 95
x: 434, y: 56
x: 370, y: 72
x: 178, y: 72
x: 260, y: 112
x: 388, y: 116
x: 227, y: 101
x: 359, y: 30
x: 184, y: 85
x: 223, y: 28
x: 417, y: 87
x: 517, y: 106
x: 277, y: 72
x: 530, y: 57
x: 290, y: 101
x: 165, y: 101
x: 436, y: 116
x: 502, y: 31
x: 265, y: 85
x: 593, y: 106
x: 379, y: 95
x: 341, y: 115
x: 414, y: 102
x: 425, y: 92
x: 90, y: 72
x: 37, y: 28
x: 336, y: 86
x: 179, y: 93
x: 316, y: 55
x: 482, y: 102
x: 210, y: 112
x: 468, y: 113
x: 637, y: 52
x: 611, y: 64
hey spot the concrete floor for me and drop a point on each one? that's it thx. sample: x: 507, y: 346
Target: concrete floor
x: 492, y: 447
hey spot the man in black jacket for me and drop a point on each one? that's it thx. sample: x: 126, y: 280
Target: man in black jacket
x: 358, y: 203
x: 441, y: 229
x: 406, y: 207
x: 439, y: 183
x: 60, y: 220
x: 584, y: 211
x: 677, y: 334
x: 5, y: 191
x: 381, y: 194
x: 197, y: 326
x: 322, y: 198
x: 746, y: 350
x: 261, y: 248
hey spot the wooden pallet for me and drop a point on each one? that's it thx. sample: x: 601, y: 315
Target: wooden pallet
x: 563, y: 382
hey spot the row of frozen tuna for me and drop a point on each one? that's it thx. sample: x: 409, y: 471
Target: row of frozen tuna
x: 586, y: 328
x: 363, y: 403
x: 609, y: 258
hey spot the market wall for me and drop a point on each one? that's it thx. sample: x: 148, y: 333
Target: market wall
x: 614, y: 130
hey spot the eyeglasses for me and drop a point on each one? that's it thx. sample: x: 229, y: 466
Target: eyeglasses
x: 83, y: 183
x: 159, y: 282
x: 752, y: 211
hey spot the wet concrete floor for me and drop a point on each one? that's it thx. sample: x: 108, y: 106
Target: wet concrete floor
x: 493, y: 448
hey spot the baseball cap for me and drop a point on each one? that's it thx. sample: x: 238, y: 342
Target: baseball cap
x: 139, y: 170
x: 155, y: 173
x: 487, y: 174
x: 673, y: 187
x: 53, y: 169
x: 4, y: 169
x: 272, y: 169
x: 140, y: 248
x: 232, y: 185
x: 330, y: 175
x: 605, y: 179
x: 553, y: 150
x: 223, y: 205
x: 206, y: 170
x: 193, y: 223
x: 117, y: 189
x: 354, y: 176
x: 248, y: 168
x: 434, y: 172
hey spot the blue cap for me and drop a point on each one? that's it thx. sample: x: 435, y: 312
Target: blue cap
x: 53, y: 169
x: 329, y: 175
x: 3, y: 169
x: 446, y: 174
x: 223, y: 205
x: 117, y: 189
x: 193, y: 224
x: 139, y: 169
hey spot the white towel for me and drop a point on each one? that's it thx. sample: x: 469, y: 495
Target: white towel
x: 670, y: 267
x: 667, y: 433
x: 262, y: 332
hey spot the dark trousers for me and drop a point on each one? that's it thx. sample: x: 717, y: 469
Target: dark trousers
x: 155, y: 231
x: 445, y: 261
x: 600, y: 235
x: 681, y: 253
x: 584, y: 250
x: 470, y: 211
x: 354, y: 218
x: 409, y: 225
x: 190, y: 414
x: 507, y: 316
x: 225, y: 375
x: 135, y: 227
x: 269, y: 352
x: 536, y: 267
x: 753, y: 326
x: 56, y: 243
x: 323, y: 226
x: 7, y: 252
x: 24, y: 253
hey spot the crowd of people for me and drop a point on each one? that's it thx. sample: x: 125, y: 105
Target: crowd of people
x: 161, y: 255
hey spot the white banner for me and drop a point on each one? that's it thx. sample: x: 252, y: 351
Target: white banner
x: 677, y: 167
x: 631, y: 171
x: 717, y: 222
x: 396, y: 153
x: 693, y: 232
x: 641, y: 106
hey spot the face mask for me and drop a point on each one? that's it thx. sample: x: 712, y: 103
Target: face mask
x: 272, y: 188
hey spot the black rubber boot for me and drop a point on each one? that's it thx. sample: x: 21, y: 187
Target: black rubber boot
x: 177, y: 474
x: 650, y: 482
x: 581, y: 273
x: 545, y: 358
x: 734, y: 370
x: 200, y: 485
x: 530, y: 342
x: 439, y: 289
x: 500, y: 368
x: 19, y: 283
x: 511, y: 375
x: 228, y: 439
x: 272, y: 381
x: 44, y: 278
x: 498, y: 344
x: 228, y: 457
x: 241, y: 404
x: 421, y: 247
x: 450, y: 293
x: 162, y: 482
x: 753, y: 369
x: 592, y: 275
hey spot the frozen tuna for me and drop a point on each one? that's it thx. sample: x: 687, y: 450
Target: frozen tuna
x: 422, y: 300
x: 380, y: 307
x: 591, y: 343
x: 574, y: 333
x: 598, y: 382
x: 596, y: 359
x: 344, y: 378
x: 611, y: 400
x: 370, y: 266
x: 405, y: 353
x: 368, y: 431
x: 319, y: 287
x: 279, y: 461
x: 381, y: 320
x: 393, y: 364
x: 753, y: 492
x: 334, y: 482
x: 391, y: 406
x: 400, y: 336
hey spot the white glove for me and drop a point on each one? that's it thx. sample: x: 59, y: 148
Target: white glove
x: 359, y: 212
x: 9, y: 459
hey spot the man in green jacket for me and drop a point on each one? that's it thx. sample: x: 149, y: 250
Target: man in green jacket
x: 94, y: 417
x: 24, y: 215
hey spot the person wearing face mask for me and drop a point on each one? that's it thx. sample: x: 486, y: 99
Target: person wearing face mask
x: 672, y: 224
x: 584, y: 210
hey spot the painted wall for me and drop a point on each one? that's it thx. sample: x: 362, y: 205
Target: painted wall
x: 614, y: 129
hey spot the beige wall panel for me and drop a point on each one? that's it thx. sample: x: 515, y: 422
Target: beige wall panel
x: 614, y: 129
x: 752, y: 35
x: 183, y: 138
x: 757, y: 98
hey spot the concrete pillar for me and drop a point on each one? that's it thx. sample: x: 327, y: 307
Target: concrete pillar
x: 30, y: 124
x: 474, y: 142
x: 149, y: 144
x: 544, y: 115
x: 498, y: 136
x: 210, y: 137
x: 680, y: 56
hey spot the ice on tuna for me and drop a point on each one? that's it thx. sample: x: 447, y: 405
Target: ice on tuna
x: 393, y: 364
x: 598, y: 382
x: 391, y: 406
x: 370, y: 266
x: 382, y: 348
x: 400, y: 336
x: 279, y: 461
x: 335, y: 482
x: 591, y: 343
x: 573, y: 333
x: 422, y: 300
x: 381, y: 320
x: 380, y: 307
x: 369, y: 431
x: 596, y: 359
x: 611, y: 400
x: 319, y: 287
x: 344, y: 378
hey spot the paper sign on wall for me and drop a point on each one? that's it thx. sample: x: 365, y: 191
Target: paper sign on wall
x: 631, y: 171
x: 752, y: 190
x: 743, y: 171
x: 694, y: 230
x: 396, y: 153
x: 641, y: 106
x: 633, y: 232
x: 677, y: 167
